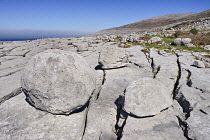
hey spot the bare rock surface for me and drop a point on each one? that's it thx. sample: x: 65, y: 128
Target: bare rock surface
x: 163, y: 70
x: 116, y: 80
x: 103, y: 117
x: 9, y: 85
x: 160, y: 127
x: 58, y: 82
x: 198, y: 64
x: 154, y: 40
x: 81, y: 47
x: 146, y: 97
x: 198, y: 122
x: 112, y: 58
x: 19, y: 120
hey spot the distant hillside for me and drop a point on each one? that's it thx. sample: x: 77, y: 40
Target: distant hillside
x: 155, y: 22
x: 166, y: 19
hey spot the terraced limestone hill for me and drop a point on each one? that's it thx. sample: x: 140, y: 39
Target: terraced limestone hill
x: 157, y: 23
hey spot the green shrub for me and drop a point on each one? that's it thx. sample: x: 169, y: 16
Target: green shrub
x: 177, y: 33
x: 194, y: 31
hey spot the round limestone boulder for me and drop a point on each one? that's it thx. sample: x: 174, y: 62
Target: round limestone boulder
x: 146, y: 97
x: 207, y: 47
x: 155, y: 39
x: 112, y: 57
x: 177, y: 42
x: 58, y: 81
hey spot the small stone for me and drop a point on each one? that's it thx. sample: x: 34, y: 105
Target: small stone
x: 198, y: 64
x: 81, y: 47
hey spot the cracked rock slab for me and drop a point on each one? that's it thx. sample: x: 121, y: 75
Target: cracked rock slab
x: 101, y: 121
x: 163, y: 126
x: 20, y: 121
x: 101, y: 118
x: 9, y: 83
x: 199, y: 123
x: 112, y: 57
x: 146, y: 97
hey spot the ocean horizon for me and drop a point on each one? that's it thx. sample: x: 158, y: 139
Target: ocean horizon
x: 25, y: 39
x: 17, y: 39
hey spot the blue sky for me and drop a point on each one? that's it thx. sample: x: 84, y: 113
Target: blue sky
x: 85, y: 16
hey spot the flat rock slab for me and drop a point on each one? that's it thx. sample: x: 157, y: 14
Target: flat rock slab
x: 10, y: 83
x: 112, y: 57
x: 137, y: 57
x: 101, y: 120
x: 146, y: 97
x: 199, y: 123
x: 164, y: 126
x: 168, y: 68
x: 200, y: 79
x: 116, y: 80
x: 19, y: 120
x: 18, y: 62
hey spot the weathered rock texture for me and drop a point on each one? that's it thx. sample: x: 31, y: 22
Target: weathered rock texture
x: 182, y: 42
x: 103, y: 117
x: 154, y: 40
x: 146, y: 97
x: 20, y: 121
x: 58, y: 82
x: 110, y: 58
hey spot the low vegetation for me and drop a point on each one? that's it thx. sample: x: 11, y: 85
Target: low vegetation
x: 134, y: 43
x: 180, y: 33
x: 199, y: 39
x: 168, y: 40
x: 173, y: 49
x: 146, y: 37
x: 124, y: 45
x: 194, y: 31
x: 206, y: 56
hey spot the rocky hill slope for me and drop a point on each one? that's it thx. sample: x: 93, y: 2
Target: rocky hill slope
x: 158, y: 23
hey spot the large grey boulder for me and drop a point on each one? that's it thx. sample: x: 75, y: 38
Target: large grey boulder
x: 146, y: 97
x: 207, y: 47
x: 177, y: 42
x: 124, y: 38
x: 112, y: 57
x: 81, y: 47
x: 57, y: 81
x: 185, y: 41
x: 182, y: 42
x: 155, y: 39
